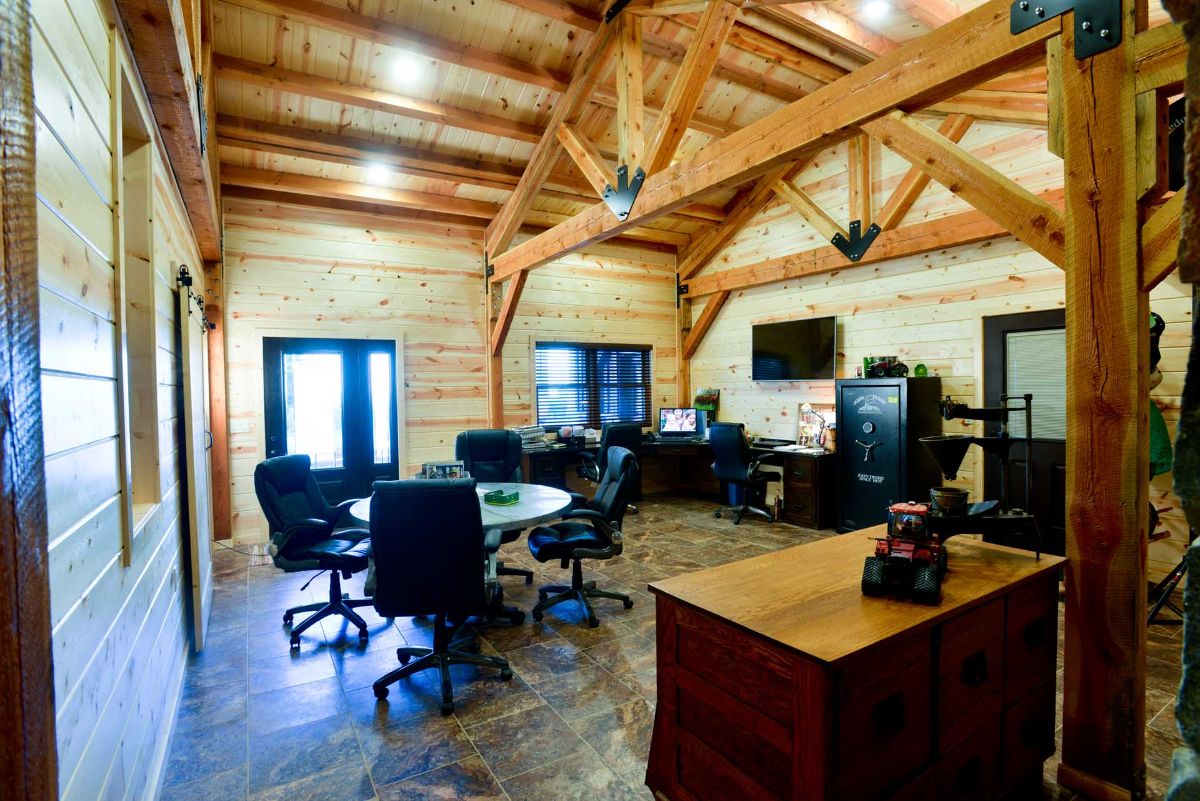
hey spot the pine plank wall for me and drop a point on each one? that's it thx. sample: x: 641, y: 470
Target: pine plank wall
x: 119, y: 626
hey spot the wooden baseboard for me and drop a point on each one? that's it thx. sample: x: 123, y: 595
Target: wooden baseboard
x: 1094, y: 788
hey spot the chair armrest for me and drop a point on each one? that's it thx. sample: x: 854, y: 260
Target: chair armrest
x: 766, y: 458
x: 315, y: 525
x: 584, y: 514
x: 588, y: 467
x: 308, y: 522
x: 337, y: 512
x: 491, y: 540
x: 579, y: 501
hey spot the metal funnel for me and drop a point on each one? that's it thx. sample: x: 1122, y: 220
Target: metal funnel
x: 948, y: 451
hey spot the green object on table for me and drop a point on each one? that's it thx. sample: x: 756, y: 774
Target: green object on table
x: 501, y: 498
x: 921, y: 371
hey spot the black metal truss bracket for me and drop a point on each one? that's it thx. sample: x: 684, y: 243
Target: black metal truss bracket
x: 858, y: 243
x: 621, y: 197
x: 1097, y: 22
x: 680, y: 290
x: 614, y: 10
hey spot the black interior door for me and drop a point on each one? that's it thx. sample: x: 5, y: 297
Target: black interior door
x: 1027, y: 353
x: 335, y: 400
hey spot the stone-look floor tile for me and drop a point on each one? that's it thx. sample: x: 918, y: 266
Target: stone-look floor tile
x: 482, y: 697
x: 508, y: 638
x: 468, y: 780
x: 293, y: 706
x: 406, y: 748
x: 644, y: 683
x: 358, y: 670
x: 411, y: 697
x: 205, y: 707
x: 573, y: 627
x: 584, y: 693
x: 205, y: 751
x: 288, y: 670
x: 228, y: 785
x: 516, y: 743
x: 287, y: 755
x: 581, y: 777
x: 345, y: 782
x: 622, y: 737
x: 216, y: 669
x: 542, y: 661
x: 624, y: 654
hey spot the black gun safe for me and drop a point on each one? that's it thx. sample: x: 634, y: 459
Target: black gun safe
x: 880, y: 459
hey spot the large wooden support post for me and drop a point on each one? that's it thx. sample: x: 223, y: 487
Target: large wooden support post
x: 494, y: 298
x: 1103, y: 754
x: 28, y: 771
x: 218, y: 407
x: 683, y: 362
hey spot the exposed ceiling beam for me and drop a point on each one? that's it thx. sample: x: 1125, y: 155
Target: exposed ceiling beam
x: 703, y: 323
x: 811, y: 211
x: 281, y: 80
x: 1160, y: 57
x: 966, y: 228
x: 818, y: 19
x: 955, y: 57
x: 1160, y: 242
x: 1031, y: 219
x: 508, y: 310
x: 631, y: 134
x: 860, y: 158
x: 930, y: 13
x: 954, y: 128
x: 1021, y: 107
x: 586, y: 157
x: 665, y: 8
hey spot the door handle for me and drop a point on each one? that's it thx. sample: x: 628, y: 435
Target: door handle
x: 867, y: 448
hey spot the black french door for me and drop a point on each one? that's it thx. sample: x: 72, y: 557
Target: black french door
x: 335, y: 400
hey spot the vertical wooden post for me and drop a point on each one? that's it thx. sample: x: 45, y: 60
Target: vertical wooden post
x: 494, y: 298
x: 28, y: 771
x: 218, y: 408
x: 683, y: 365
x: 1103, y: 754
x: 630, y: 136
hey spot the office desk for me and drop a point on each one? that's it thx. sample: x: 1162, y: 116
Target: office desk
x: 809, y: 491
x: 778, y: 679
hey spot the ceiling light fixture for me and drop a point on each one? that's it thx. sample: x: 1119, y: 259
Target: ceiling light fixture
x: 378, y: 174
x: 876, y: 9
x: 408, y: 69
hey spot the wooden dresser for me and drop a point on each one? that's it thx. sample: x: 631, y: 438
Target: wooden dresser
x: 778, y: 679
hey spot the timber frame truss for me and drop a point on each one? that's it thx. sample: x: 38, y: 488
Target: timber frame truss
x: 1107, y: 119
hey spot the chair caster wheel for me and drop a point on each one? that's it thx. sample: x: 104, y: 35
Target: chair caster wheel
x: 287, y: 618
x: 593, y: 622
x: 295, y: 642
x: 537, y: 616
x: 447, y: 708
x: 529, y: 579
x: 506, y: 674
x: 628, y: 604
x: 403, y: 658
x: 363, y: 635
x: 717, y: 515
x: 381, y: 692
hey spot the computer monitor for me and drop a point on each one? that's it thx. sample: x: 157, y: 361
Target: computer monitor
x: 681, y: 422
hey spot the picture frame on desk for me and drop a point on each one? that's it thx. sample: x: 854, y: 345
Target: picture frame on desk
x: 436, y: 470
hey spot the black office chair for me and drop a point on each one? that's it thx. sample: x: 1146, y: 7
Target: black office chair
x: 305, y: 536
x: 587, y: 533
x: 432, y: 557
x: 620, y: 435
x: 734, y: 463
x: 494, y: 454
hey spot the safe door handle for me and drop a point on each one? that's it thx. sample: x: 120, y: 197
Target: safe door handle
x: 867, y: 448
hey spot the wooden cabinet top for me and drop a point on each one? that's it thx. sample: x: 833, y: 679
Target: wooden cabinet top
x: 808, y: 598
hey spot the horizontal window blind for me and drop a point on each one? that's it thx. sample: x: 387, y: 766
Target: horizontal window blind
x: 589, y: 385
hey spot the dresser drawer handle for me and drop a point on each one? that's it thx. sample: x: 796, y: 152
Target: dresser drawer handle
x: 800, y: 473
x: 888, y: 718
x: 1034, y: 633
x: 969, y: 779
x: 975, y: 669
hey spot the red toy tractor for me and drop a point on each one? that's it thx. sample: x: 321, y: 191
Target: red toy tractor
x: 910, y: 560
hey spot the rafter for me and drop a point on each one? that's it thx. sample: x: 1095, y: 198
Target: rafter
x: 954, y: 128
x: 630, y: 121
x: 819, y: 19
x: 1031, y: 219
x: 812, y: 213
x: 586, y: 157
x: 688, y: 85
x: 954, y: 57
x: 860, y: 162
x: 966, y: 228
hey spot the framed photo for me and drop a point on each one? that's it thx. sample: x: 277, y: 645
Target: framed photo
x: 454, y: 469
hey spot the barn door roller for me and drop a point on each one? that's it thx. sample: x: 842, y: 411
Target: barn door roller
x: 1097, y: 22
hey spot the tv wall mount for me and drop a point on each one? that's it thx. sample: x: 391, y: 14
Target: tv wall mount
x: 1097, y: 22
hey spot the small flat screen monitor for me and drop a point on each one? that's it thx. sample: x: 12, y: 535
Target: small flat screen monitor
x: 681, y: 422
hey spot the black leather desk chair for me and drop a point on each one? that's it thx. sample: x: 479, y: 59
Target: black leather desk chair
x: 620, y: 435
x: 305, y: 536
x: 593, y: 532
x: 494, y: 454
x: 733, y: 462
x: 432, y: 557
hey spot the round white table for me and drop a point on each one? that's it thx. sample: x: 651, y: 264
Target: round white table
x: 538, y: 504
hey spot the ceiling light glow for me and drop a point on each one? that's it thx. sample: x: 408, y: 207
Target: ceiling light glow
x: 409, y: 70
x: 378, y: 174
x: 876, y: 9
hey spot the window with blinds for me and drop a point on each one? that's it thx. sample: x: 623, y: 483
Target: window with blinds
x: 589, y: 385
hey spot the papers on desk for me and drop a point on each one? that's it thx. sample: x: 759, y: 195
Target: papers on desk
x: 799, y: 449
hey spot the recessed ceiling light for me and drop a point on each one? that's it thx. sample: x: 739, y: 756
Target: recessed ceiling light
x: 409, y: 70
x: 378, y: 174
x: 876, y: 9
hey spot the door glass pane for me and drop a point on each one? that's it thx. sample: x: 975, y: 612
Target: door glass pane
x: 1037, y: 364
x: 312, y: 400
x: 381, y: 406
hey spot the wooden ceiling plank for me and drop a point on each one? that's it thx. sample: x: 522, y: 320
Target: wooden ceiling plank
x: 281, y: 80
x: 587, y: 73
x: 1031, y: 219
x: 1160, y: 242
x: 930, y: 13
x: 812, y: 213
x: 744, y: 207
x: 954, y: 128
x: 586, y: 157
x: 965, y: 228
x: 703, y: 323
x: 955, y: 57
x: 630, y: 118
x: 373, y: 29
x: 688, y: 85
x: 860, y: 163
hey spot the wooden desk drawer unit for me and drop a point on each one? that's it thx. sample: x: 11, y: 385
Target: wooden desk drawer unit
x: 779, y: 681
x: 809, y: 491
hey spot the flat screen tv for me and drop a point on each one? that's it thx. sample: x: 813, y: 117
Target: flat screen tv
x: 798, y: 350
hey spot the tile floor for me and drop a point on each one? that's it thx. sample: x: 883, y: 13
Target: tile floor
x: 256, y: 722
